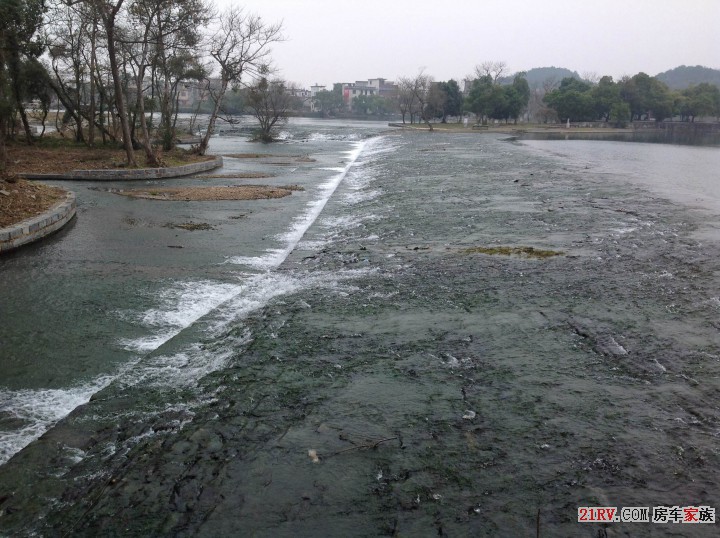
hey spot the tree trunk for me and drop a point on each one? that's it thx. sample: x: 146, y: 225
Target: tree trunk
x: 152, y: 159
x: 26, y: 124
x: 79, y: 135
x: 213, y: 117
x: 109, y: 20
x: 422, y: 116
x: 17, y: 93
x: 91, y: 114
x: 64, y: 99
x: 3, y: 149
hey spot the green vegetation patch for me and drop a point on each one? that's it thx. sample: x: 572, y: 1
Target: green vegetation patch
x: 528, y: 252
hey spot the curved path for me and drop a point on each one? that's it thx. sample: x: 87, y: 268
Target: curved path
x: 35, y: 228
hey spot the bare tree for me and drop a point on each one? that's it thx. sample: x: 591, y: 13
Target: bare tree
x: 491, y: 69
x: 66, y: 38
x: 176, y: 38
x: 109, y: 15
x: 405, y: 98
x: 419, y: 87
x: 138, y: 47
x: 591, y: 76
x: 240, y: 45
x: 270, y: 102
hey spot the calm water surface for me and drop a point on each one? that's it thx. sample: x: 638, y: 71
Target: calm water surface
x: 371, y: 322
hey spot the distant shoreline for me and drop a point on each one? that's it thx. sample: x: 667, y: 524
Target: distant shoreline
x: 701, y: 134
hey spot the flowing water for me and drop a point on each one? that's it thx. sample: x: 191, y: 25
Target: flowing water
x: 440, y: 335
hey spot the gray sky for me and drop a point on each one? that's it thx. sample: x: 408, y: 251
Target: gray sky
x: 338, y: 41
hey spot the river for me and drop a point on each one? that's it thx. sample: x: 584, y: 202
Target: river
x: 440, y: 335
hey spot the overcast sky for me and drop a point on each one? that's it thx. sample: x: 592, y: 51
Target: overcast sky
x: 342, y: 41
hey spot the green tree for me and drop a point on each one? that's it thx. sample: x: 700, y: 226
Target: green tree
x: 371, y: 104
x: 37, y: 87
x: 647, y: 96
x: 605, y: 95
x: 572, y: 100
x: 478, y: 100
x: 498, y: 103
x: 330, y: 102
x: 619, y: 114
x: 700, y: 100
x: 453, y: 99
x: 661, y: 101
x: 19, y: 44
x: 517, y: 97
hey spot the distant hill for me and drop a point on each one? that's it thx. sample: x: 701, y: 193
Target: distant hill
x: 537, y: 76
x: 684, y: 76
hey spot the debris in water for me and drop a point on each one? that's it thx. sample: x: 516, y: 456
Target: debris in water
x: 312, y: 453
x: 469, y: 415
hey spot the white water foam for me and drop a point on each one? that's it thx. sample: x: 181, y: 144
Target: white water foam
x: 274, y: 257
x: 183, y: 369
x: 181, y: 306
x: 38, y: 410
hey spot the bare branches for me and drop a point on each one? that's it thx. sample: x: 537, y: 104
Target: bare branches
x: 415, y: 94
x: 491, y: 69
x: 240, y: 45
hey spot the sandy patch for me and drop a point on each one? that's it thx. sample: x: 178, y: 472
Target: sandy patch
x: 238, y: 192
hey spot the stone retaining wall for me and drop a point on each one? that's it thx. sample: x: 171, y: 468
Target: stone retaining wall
x: 30, y: 230
x: 133, y: 174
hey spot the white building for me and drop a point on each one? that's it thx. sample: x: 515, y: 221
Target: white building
x: 373, y: 86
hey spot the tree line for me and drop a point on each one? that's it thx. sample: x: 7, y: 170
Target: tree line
x: 490, y: 96
x: 639, y: 97
x: 118, y: 67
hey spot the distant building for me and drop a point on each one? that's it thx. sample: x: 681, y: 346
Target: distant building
x: 313, y: 92
x: 191, y: 94
x: 373, y: 86
x: 303, y: 96
x: 314, y: 89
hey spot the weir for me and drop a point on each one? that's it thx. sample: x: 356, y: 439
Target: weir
x: 409, y: 368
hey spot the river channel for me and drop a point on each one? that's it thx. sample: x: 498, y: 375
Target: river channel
x: 439, y: 335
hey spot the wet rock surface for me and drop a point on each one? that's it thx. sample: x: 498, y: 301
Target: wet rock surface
x: 444, y: 390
